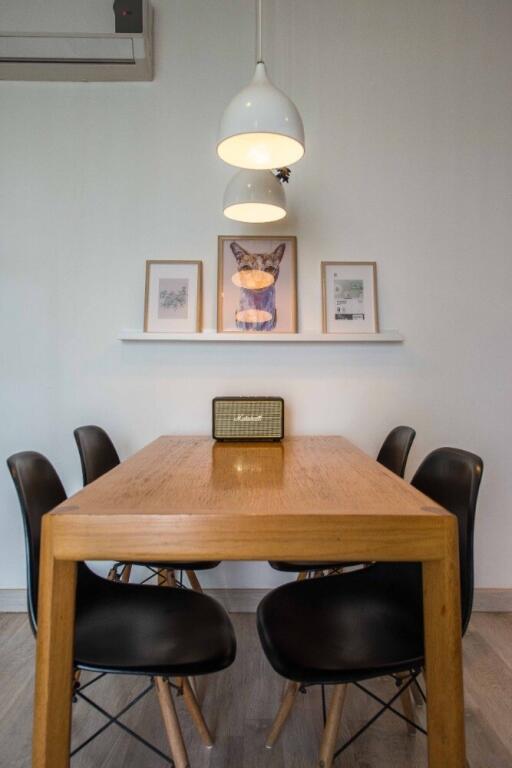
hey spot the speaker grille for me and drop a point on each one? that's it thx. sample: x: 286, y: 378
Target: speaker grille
x: 248, y: 418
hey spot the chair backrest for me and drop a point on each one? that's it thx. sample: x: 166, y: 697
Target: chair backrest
x: 395, y: 449
x: 451, y: 477
x: 97, y: 452
x: 39, y: 490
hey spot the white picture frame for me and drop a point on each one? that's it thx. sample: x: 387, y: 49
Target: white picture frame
x: 349, y: 297
x: 173, y: 296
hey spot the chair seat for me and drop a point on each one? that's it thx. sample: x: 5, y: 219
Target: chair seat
x: 135, y: 629
x: 345, y: 628
x: 200, y: 565
x: 298, y: 566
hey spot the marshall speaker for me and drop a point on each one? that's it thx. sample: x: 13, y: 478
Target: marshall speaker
x: 248, y: 418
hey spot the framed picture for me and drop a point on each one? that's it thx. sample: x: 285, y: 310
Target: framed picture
x: 349, y: 297
x: 257, y: 284
x: 173, y: 296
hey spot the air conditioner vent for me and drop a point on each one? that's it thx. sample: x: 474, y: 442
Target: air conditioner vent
x: 66, y: 49
x: 80, y: 57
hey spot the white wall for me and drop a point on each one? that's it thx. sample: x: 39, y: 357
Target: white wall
x: 408, y: 113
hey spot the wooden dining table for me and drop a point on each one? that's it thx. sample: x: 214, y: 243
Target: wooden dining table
x: 307, y: 498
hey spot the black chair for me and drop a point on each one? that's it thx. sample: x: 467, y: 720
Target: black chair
x: 395, y: 449
x: 392, y: 455
x: 128, y: 628
x: 98, y: 456
x: 369, y: 623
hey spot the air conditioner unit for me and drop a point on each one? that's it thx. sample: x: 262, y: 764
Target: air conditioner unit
x: 83, y: 44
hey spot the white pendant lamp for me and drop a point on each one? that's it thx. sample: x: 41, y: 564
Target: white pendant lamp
x: 254, y: 197
x: 261, y: 127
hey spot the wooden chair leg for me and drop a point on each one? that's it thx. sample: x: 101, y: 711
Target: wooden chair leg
x: 171, y: 723
x: 112, y: 575
x: 170, y: 577
x: 408, y: 709
x: 194, y: 581
x: 127, y: 571
x: 418, y: 698
x: 166, y: 578
x: 195, y: 690
x: 332, y: 726
x: 406, y: 701
x: 178, y: 681
x: 195, y: 713
x: 196, y: 586
x: 287, y: 702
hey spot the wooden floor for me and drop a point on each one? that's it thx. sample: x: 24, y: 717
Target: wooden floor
x: 239, y: 704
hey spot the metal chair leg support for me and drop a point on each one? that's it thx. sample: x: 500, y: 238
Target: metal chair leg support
x: 324, y: 707
x: 114, y: 720
x: 385, y: 706
x: 389, y: 705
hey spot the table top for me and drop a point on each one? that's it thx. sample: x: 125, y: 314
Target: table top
x: 299, y: 476
x: 308, y: 499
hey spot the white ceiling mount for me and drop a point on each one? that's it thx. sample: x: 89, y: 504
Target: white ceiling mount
x: 254, y: 197
x: 84, y: 55
x: 261, y: 127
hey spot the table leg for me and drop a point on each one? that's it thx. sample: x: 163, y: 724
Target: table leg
x: 443, y: 653
x: 54, y: 658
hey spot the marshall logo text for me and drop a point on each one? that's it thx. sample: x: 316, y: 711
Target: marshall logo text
x: 242, y: 417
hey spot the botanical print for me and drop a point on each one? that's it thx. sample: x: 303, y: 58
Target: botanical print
x: 257, y: 284
x: 257, y: 306
x: 172, y: 298
x: 348, y: 299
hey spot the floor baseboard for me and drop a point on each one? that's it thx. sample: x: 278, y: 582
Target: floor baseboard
x: 493, y: 600
x: 239, y: 600
x: 13, y: 600
x: 246, y: 600
x: 233, y: 600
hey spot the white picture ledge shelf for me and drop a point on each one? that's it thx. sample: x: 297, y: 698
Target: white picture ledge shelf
x: 288, y: 338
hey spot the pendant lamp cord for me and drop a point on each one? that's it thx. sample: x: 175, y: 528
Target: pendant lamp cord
x: 259, y: 20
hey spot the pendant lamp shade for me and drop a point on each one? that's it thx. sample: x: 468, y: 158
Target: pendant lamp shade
x: 254, y: 197
x: 261, y: 127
